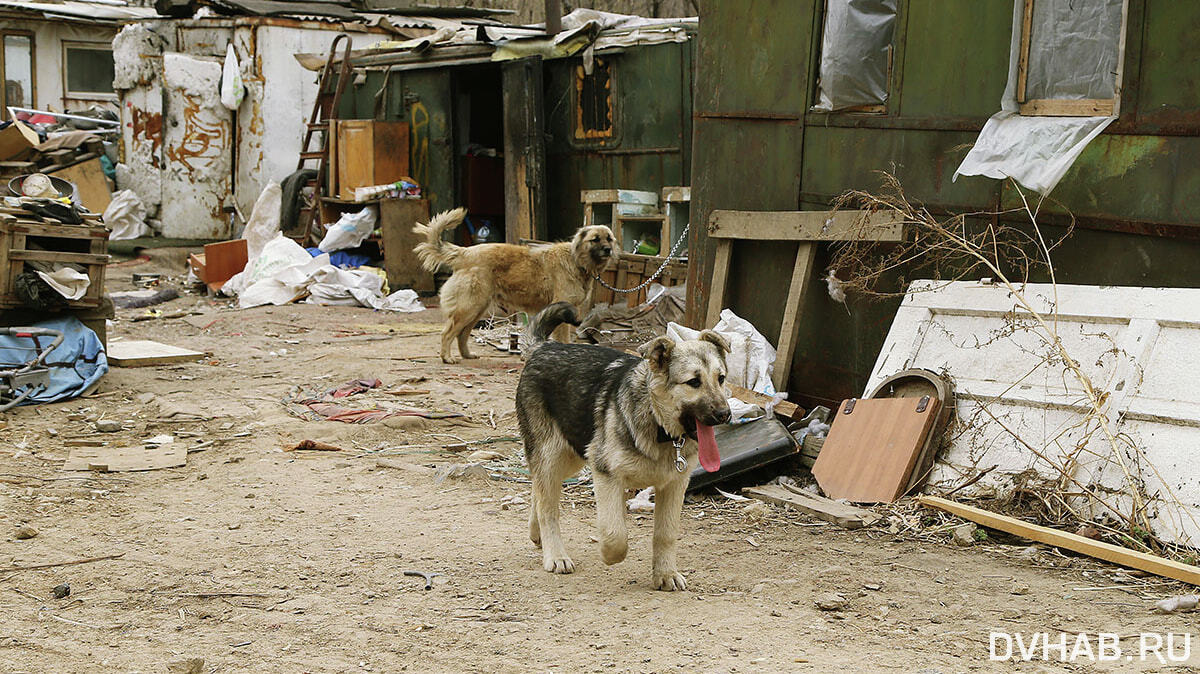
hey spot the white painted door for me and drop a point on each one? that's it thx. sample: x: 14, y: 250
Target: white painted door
x: 197, y: 149
x: 1139, y: 346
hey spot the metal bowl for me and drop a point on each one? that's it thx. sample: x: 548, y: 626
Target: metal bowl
x: 65, y: 189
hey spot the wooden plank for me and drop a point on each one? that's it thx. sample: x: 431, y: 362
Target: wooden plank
x: 783, y: 407
x: 143, y: 353
x: 676, y: 194
x: 1085, y: 546
x: 59, y: 231
x: 716, y: 291
x: 789, y: 331
x: 111, y: 459
x: 88, y: 176
x: 599, y: 196
x: 870, y: 452
x: 57, y: 256
x: 1062, y: 107
x: 222, y: 260
x: 802, y: 226
x: 841, y: 514
x: 1023, y: 55
x: 1116, y: 106
x: 396, y: 220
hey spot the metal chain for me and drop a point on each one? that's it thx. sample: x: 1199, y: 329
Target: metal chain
x: 670, y: 256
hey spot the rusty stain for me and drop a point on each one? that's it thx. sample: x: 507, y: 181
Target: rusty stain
x: 202, y: 138
x: 147, y: 126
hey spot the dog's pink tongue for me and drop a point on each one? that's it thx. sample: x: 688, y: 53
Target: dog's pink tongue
x: 710, y: 458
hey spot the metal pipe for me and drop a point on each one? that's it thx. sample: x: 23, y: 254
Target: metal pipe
x: 553, y: 16
x: 63, y: 115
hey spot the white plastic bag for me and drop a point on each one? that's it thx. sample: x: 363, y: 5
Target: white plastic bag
x: 751, y: 358
x: 349, y: 231
x: 67, y: 281
x: 126, y: 216
x: 232, y: 89
x: 285, y: 277
x: 263, y: 224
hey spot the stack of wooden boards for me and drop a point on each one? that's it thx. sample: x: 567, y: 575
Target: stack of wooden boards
x: 28, y: 237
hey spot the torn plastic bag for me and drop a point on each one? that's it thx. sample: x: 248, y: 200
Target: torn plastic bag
x: 232, y: 88
x: 126, y: 216
x: 349, y: 231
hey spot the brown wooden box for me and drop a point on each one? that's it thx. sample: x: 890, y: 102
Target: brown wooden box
x: 366, y: 152
x: 85, y: 245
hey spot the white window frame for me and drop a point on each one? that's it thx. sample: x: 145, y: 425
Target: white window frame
x: 83, y: 95
x: 1065, y: 107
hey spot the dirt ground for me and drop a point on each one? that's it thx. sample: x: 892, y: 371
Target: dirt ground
x: 260, y: 560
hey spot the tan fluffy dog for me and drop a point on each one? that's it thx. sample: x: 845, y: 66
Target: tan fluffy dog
x: 516, y: 278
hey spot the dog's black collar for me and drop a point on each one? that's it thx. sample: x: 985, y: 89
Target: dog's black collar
x: 664, y: 436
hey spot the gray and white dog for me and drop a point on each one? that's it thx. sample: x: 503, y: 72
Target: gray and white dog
x: 637, y: 422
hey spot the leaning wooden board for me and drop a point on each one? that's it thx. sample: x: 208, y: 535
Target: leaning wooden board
x: 88, y: 176
x: 872, y: 447
x: 144, y: 353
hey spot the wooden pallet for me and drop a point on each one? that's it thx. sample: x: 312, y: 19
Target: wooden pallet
x: 85, y: 245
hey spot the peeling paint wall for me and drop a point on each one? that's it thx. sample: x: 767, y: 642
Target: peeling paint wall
x: 261, y: 138
x: 279, y: 99
x: 48, y: 37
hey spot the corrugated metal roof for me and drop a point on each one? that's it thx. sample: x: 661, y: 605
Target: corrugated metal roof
x: 80, y: 9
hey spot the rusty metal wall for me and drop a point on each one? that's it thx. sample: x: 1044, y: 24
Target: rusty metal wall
x: 1131, y: 191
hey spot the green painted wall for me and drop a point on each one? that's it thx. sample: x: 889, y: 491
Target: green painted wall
x: 651, y: 148
x: 758, y: 147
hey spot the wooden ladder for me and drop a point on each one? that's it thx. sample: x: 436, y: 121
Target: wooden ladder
x: 324, y: 108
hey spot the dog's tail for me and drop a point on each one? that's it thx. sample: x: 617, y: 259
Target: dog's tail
x: 540, y: 326
x: 433, y: 251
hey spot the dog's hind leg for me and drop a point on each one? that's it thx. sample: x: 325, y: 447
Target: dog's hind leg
x: 668, y: 501
x: 610, y: 517
x: 556, y: 461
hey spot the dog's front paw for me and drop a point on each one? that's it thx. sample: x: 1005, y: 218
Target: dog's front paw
x: 669, y: 581
x: 558, y: 564
x: 450, y: 360
x: 470, y: 356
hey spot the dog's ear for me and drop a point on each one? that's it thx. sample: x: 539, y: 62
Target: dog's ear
x: 715, y: 338
x: 577, y: 240
x: 658, y: 352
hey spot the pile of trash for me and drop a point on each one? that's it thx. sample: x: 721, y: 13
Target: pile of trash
x: 280, y: 271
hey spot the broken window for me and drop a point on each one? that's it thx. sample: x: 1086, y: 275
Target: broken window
x: 594, y: 101
x: 856, y: 55
x: 17, y: 64
x: 89, y: 70
x: 1069, y: 60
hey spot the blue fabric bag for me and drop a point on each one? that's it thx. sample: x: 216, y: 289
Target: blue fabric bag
x: 75, y: 365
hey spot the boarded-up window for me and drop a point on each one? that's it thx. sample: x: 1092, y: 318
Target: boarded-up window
x: 1069, y: 60
x: 17, y: 63
x: 856, y: 55
x: 89, y: 70
x: 594, y: 101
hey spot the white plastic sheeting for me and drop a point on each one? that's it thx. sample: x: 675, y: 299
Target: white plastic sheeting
x: 126, y: 216
x: 1072, y: 55
x: 854, y: 53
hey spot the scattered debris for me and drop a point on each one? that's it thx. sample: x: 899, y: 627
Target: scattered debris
x: 61, y: 591
x: 1185, y: 602
x: 116, y: 459
x: 188, y: 666
x: 641, y: 502
x: 25, y: 533
x: 313, y: 445
x: 841, y: 514
x: 427, y: 576
x: 456, y: 471
x: 108, y: 426
x: 964, y: 534
x: 481, y: 455
x: 831, y: 601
